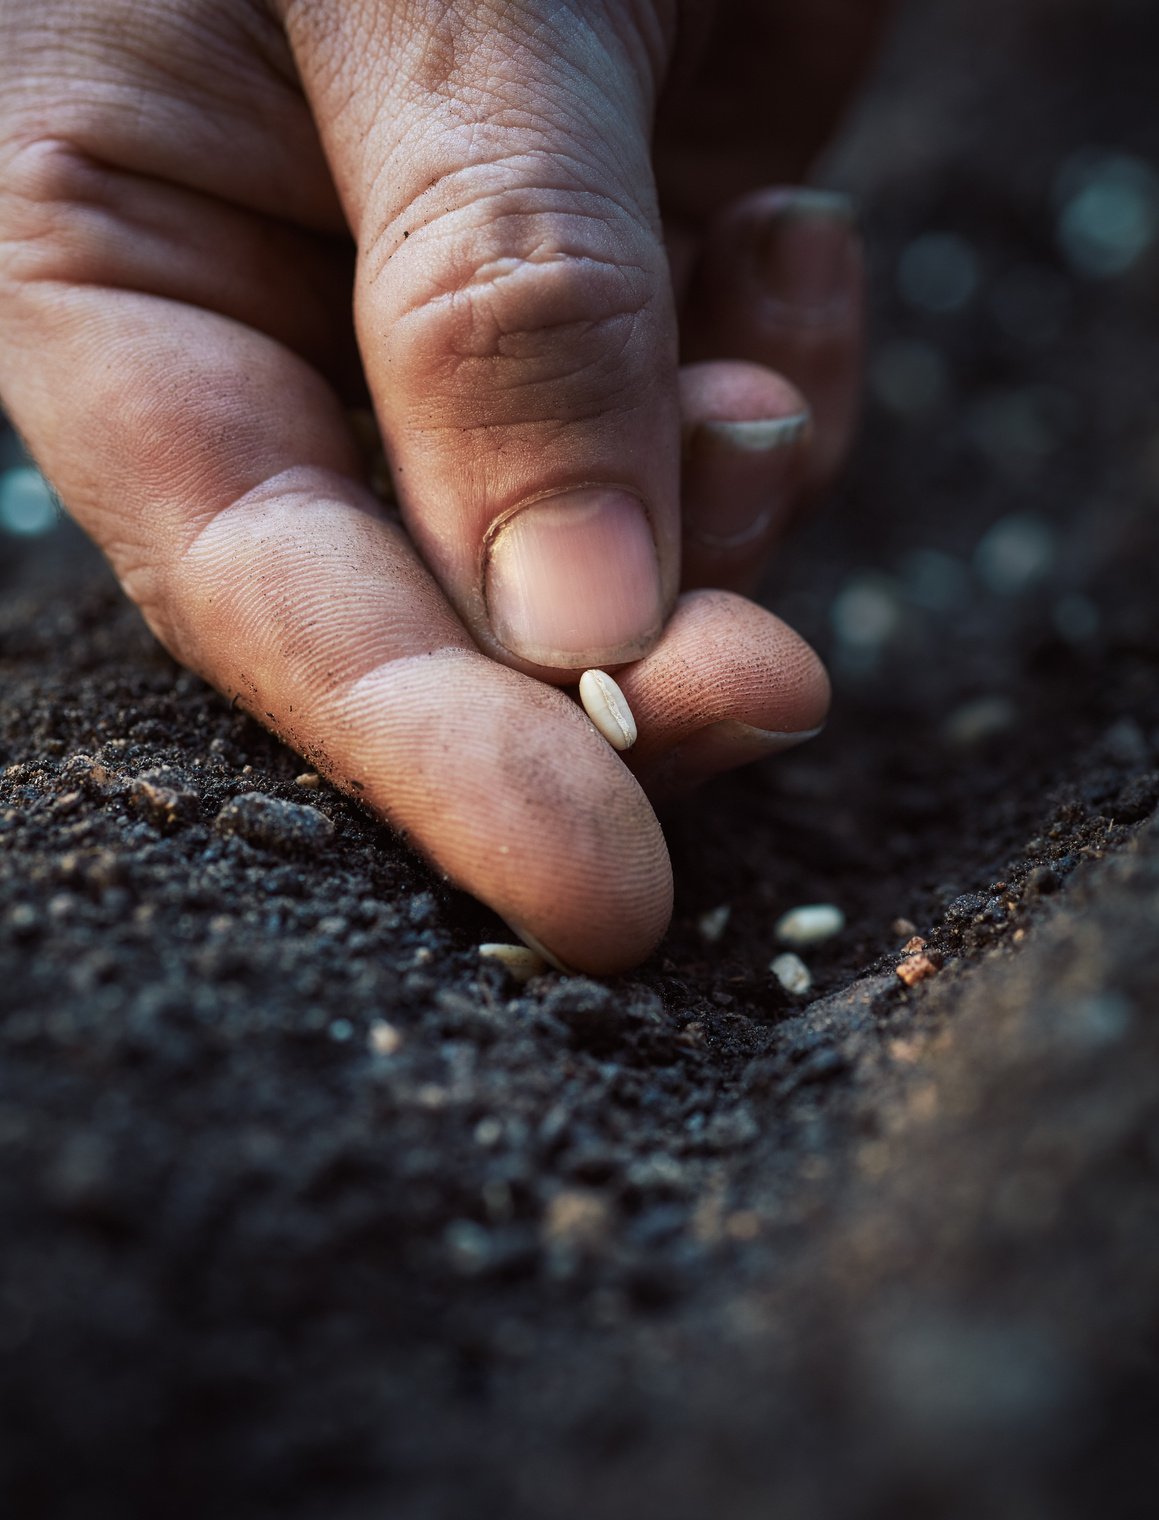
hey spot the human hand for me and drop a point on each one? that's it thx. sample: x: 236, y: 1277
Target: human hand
x: 178, y: 186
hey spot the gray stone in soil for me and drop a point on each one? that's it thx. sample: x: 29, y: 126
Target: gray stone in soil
x: 268, y: 823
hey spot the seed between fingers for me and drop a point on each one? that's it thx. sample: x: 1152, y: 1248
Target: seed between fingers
x: 607, y: 707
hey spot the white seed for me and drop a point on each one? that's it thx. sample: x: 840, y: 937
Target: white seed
x: 792, y: 973
x: 519, y: 961
x: 607, y: 707
x: 810, y: 924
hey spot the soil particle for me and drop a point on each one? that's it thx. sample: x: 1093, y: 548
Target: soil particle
x: 918, y: 967
x: 268, y: 823
x: 163, y: 805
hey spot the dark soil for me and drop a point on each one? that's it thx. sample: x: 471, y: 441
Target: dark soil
x: 678, y: 1245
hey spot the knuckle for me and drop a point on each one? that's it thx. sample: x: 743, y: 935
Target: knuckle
x: 520, y: 309
x: 42, y: 185
x: 519, y: 323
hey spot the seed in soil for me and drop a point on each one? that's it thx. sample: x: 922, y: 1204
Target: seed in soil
x: 607, y: 707
x: 519, y: 961
x: 810, y: 924
x: 792, y: 973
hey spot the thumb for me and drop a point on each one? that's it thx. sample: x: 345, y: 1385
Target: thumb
x: 513, y: 304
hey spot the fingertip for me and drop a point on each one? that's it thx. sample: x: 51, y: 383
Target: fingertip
x: 729, y: 683
x: 507, y: 787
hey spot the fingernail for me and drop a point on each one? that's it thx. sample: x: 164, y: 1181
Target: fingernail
x: 769, y: 740
x: 739, y: 477
x: 808, y: 254
x: 738, y: 743
x: 573, y: 580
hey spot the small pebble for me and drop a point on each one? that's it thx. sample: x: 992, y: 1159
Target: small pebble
x: 607, y: 707
x: 310, y: 780
x: 271, y: 824
x: 810, y: 924
x: 792, y: 973
x: 711, y: 925
x: 162, y: 805
x: 519, y: 961
x: 904, y: 928
x: 917, y: 968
